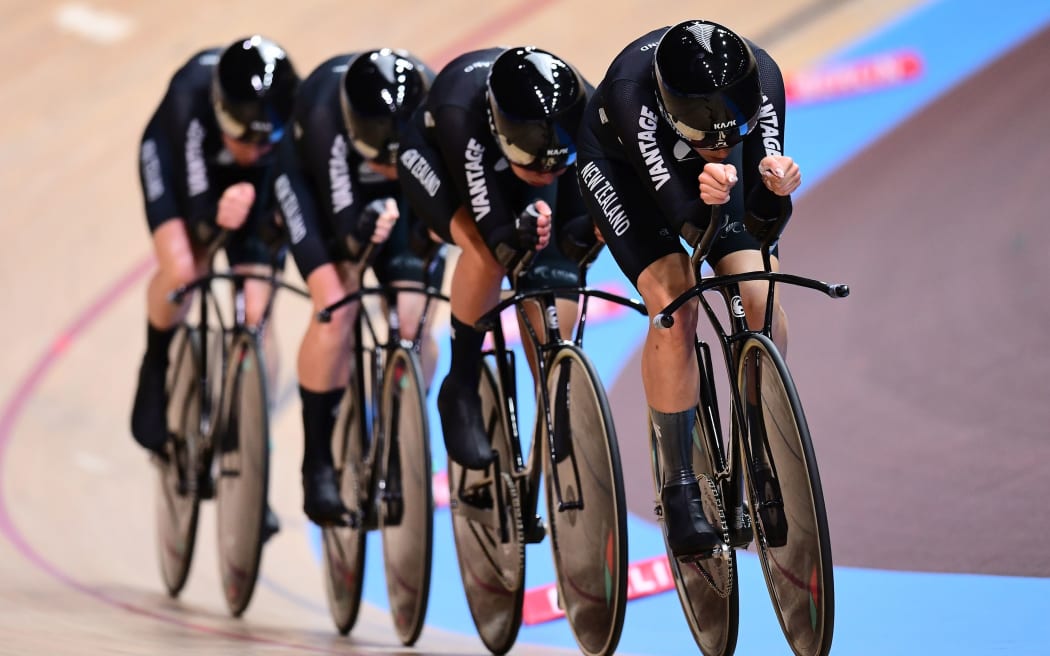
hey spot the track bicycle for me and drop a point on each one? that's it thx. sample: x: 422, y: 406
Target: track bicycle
x: 219, y: 425
x: 574, y: 447
x: 767, y: 488
x: 381, y: 447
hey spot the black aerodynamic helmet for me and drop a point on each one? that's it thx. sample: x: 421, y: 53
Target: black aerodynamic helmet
x: 253, y: 90
x: 536, y: 102
x: 708, y: 84
x: 379, y: 91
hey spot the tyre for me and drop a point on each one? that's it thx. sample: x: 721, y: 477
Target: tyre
x: 243, y: 458
x: 786, y: 500
x: 588, y: 528
x: 406, y: 502
x: 491, y: 565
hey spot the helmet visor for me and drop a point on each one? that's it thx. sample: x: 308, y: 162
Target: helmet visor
x: 374, y: 137
x: 543, y: 145
x: 720, y: 119
x: 247, y: 124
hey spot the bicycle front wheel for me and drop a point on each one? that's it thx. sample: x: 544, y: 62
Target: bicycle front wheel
x: 344, y: 546
x: 244, y: 471
x: 787, y: 502
x: 407, y: 500
x: 491, y: 565
x: 585, y: 504
x: 178, y: 500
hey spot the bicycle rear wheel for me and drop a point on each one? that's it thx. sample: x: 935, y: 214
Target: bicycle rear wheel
x: 244, y: 471
x: 787, y: 502
x: 492, y: 569
x: 589, y: 534
x: 707, y: 588
x: 178, y: 501
x: 407, y: 502
x: 344, y: 546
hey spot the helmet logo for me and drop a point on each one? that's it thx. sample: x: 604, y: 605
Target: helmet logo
x: 724, y: 125
x: 542, y: 62
x: 702, y: 33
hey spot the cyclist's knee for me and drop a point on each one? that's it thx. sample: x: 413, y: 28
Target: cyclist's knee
x: 332, y: 337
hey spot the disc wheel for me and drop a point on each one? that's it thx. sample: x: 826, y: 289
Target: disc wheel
x: 243, y: 471
x: 492, y: 568
x: 344, y: 546
x: 406, y: 503
x: 588, y: 528
x: 786, y: 500
x: 178, y: 502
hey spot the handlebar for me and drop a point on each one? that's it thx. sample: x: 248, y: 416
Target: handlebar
x: 768, y: 232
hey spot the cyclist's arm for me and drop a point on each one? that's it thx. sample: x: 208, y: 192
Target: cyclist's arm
x: 767, y: 140
x: 471, y: 156
x: 298, y: 210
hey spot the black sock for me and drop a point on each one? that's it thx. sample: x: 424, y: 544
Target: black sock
x: 319, y: 410
x: 466, y: 354
x: 157, y: 344
x: 674, y: 440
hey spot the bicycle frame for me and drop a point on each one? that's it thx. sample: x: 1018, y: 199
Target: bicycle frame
x: 545, y: 347
x: 730, y: 337
x: 381, y: 343
x: 206, y: 304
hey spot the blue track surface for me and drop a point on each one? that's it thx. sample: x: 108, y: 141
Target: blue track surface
x: 930, y: 613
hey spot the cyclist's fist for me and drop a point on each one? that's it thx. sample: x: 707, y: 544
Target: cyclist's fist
x: 385, y: 221
x: 534, y: 225
x: 716, y: 180
x: 234, y: 205
x: 780, y: 174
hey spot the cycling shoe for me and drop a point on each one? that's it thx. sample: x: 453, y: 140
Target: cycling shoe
x: 321, y: 500
x: 688, y: 531
x: 466, y: 441
x: 149, y: 421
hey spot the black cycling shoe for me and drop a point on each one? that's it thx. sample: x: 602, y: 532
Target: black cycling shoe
x: 321, y: 500
x: 688, y: 531
x: 271, y: 524
x: 466, y: 441
x: 149, y: 421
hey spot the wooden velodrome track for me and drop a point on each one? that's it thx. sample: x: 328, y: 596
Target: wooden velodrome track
x: 78, y: 569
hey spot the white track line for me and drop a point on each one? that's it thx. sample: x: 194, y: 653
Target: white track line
x: 97, y: 25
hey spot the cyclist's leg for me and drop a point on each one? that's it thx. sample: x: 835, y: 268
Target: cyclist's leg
x: 474, y: 289
x: 670, y: 377
x: 550, y: 269
x: 647, y: 248
x: 400, y: 264
x: 324, y: 367
x: 177, y: 264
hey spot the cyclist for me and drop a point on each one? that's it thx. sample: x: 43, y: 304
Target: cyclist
x: 483, y: 163
x: 204, y: 162
x: 337, y: 189
x: 683, y: 114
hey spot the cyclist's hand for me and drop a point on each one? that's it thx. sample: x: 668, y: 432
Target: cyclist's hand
x: 385, y: 221
x: 377, y: 220
x: 234, y: 205
x: 716, y: 181
x: 780, y: 174
x: 533, y: 225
